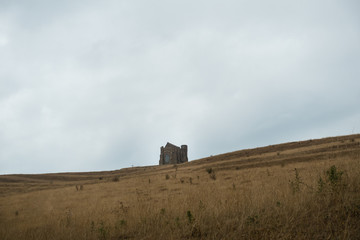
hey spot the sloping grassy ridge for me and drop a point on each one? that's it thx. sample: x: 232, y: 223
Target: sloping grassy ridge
x: 299, y: 190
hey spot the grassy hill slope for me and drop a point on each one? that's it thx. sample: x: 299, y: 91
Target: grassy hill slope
x: 299, y: 190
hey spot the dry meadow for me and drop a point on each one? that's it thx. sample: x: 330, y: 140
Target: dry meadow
x: 298, y: 190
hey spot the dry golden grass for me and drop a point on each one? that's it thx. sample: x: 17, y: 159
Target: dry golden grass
x: 256, y: 194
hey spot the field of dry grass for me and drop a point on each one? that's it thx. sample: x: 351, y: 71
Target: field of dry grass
x: 299, y: 190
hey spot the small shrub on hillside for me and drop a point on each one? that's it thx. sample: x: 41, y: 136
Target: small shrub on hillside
x: 189, y: 216
x: 115, y: 179
x: 167, y: 177
x: 295, y: 184
x: 103, y: 232
x: 162, y: 211
x: 334, y: 176
x: 211, y: 173
x: 321, y: 184
x: 122, y: 222
x: 333, y: 180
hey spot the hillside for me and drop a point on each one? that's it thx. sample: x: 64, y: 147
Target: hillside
x: 302, y: 151
x: 252, y: 194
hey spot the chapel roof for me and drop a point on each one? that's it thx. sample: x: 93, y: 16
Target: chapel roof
x: 171, y: 145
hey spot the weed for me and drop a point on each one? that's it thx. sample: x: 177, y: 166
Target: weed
x: 254, y: 219
x: 189, y: 216
x: 92, y: 226
x: 167, y: 177
x: 233, y: 186
x: 68, y: 221
x: 295, y: 184
x: 177, y: 221
x: 190, y: 180
x: 334, y: 176
x: 115, y: 179
x: 124, y: 209
x: 333, y: 180
x: 102, y: 231
x: 162, y: 211
x: 209, y: 170
x: 17, y: 213
x: 321, y: 185
x: 121, y: 223
x: 201, y: 205
x: 212, y: 175
x: 195, y: 232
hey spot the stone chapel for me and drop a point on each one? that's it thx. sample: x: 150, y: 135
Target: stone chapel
x: 171, y: 154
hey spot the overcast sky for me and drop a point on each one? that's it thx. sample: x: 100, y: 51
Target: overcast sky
x: 102, y: 85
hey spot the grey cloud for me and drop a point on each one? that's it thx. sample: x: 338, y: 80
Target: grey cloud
x: 102, y: 85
